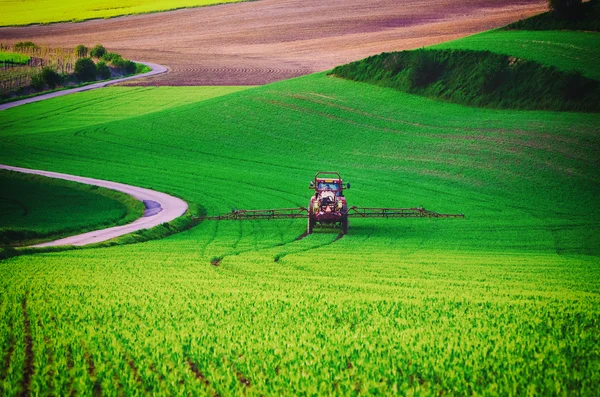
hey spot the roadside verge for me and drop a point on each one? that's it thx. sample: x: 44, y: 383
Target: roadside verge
x: 170, y: 209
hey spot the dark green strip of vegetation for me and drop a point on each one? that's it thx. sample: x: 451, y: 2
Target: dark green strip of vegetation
x: 572, y: 15
x: 477, y: 78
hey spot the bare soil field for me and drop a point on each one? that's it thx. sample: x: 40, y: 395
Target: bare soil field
x: 269, y: 40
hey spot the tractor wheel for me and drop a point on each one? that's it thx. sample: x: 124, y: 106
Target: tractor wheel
x: 310, y: 226
x: 344, y: 224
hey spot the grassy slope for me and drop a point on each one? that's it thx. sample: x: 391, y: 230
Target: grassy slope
x: 15, y: 12
x: 564, y: 50
x: 414, y: 305
x: 118, y: 103
x: 34, y: 208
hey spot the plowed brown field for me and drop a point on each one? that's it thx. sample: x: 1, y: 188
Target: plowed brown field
x: 269, y: 40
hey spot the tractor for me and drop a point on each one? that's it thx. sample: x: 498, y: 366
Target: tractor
x: 328, y: 206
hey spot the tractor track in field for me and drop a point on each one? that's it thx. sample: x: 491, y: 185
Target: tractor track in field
x: 243, y: 379
x: 49, y: 373
x: 92, y: 372
x: 9, y: 354
x: 302, y: 236
x: 216, y: 261
x: 282, y: 255
x: 199, y: 375
x: 259, y: 42
x: 28, y: 368
x: 134, y: 370
x: 170, y: 208
x: 71, y: 388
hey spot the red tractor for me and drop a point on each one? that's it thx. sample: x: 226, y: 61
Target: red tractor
x: 328, y: 205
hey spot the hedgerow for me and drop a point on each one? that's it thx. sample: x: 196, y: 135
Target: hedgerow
x: 477, y: 78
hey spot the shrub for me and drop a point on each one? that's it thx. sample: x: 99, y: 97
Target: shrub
x: 85, y: 69
x: 110, y: 56
x: 140, y: 68
x: 129, y: 67
x: 98, y: 51
x: 125, y: 65
x: 50, y: 77
x: 424, y: 68
x: 46, y: 77
x: 117, y: 61
x: 102, y: 70
x: 36, y: 82
x: 25, y: 45
x: 81, y: 51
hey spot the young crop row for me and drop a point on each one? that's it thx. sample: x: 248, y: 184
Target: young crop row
x: 345, y: 318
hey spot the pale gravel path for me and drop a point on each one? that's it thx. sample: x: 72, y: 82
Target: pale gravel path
x: 172, y: 207
x: 156, y: 69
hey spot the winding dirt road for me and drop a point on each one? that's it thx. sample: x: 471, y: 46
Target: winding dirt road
x: 156, y: 69
x: 161, y: 208
x: 259, y: 42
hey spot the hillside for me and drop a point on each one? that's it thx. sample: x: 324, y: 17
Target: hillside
x: 567, y: 51
x: 492, y: 76
x: 415, y: 306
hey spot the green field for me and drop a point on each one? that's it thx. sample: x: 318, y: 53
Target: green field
x: 506, y: 301
x: 13, y: 57
x: 34, y: 208
x: 565, y: 50
x: 18, y: 12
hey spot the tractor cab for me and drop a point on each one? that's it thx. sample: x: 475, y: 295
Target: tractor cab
x: 328, y: 182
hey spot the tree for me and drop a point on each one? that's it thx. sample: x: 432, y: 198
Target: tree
x: 98, y: 51
x: 85, y: 69
x: 102, y: 70
x: 81, y: 51
x: 566, y: 9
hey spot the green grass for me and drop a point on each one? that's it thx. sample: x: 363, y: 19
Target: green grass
x: 35, y: 208
x: 12, y: 57
x: 16, y: 12
x: 567, y: 51
x: 505, y: 301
